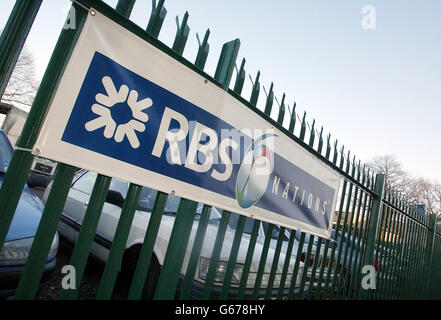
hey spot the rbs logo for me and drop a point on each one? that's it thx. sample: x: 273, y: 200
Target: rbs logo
x: 123, y: 115
x: 112, y: 101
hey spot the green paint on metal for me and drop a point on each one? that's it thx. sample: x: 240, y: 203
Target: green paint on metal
x: 181, y: 35
x: 212, y: 269
x: 114, y: 260
x: 87, y: 233
x: 204, y: 48
x: 312, y: 134
x: 233, y: 257
x: 317, y: 258
x: 373, y: 224
x: 240, y: 78
x: 255, y: 91
x: 286, y: 264
x: 303, y: 127
x: 296, y: 267
x: 281, y: 115
x: 33, y: 270
x: 262, y: 262
x: 306, y: 267
x: 195, y: 253
x: 334, y: 244
x: 320, y: 143
x: 343, y: 284
x: 226, y: 63
x: 292, y: 121
x: 176, y: 249
x: 125, y: 7
x: 156, y: 18
x: 275, y: 263
x: 328, y: 147
x: 146, y: 251
x: 248, y: 259
x: 269, y: 101
x: 428, y: 255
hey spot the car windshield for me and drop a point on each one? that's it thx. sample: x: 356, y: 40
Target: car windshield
x: 5, y: 152
x: 147, y: 200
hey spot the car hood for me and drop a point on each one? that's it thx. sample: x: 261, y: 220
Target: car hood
x: 27, y: 216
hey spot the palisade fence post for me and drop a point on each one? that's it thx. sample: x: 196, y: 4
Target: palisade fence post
x: 373, y: 227
x: 429, y: 252
x: 21, y: 161
x: 125, y: 7
x: 14, y: 36
x: 435, y: 275
x: 11, y: 43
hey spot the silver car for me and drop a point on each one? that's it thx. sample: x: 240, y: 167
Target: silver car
x: 75, y: 208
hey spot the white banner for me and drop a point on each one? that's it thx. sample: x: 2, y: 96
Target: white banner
x: 126, y: 109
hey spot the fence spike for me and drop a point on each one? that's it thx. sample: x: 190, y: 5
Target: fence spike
x: 353, y: 167
x: 348, y: 161
x: 156, y: 18
x: 328, y: 146
x: 204, y: 48
x: 303, y: 127
x: 334, y: 160
x: 240, y: 78
x: 281, y: 116
x: 320, y: 144
x: 181, y: 34
x: 342, y: 157
x: 312, y: 135
x: 292, y: 122
x: 269, y: 100
x: 125, y: 7
x: 359, y: 170
x: 256, y: 90
x: 363, y: 179
x: 225, y: 65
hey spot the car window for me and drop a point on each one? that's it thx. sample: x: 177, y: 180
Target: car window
x: 215, y: 214
x: 119, y: 186
x: 299, y: 234
x: 276, y: 231
x: 147, y: 200
x: 85, y: 183
x: 249, y: 223
x: 5, y: 152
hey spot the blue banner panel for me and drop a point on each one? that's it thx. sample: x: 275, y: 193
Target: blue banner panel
x: 124, y: 116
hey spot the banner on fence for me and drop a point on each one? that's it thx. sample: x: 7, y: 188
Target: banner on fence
x: 126, y: 109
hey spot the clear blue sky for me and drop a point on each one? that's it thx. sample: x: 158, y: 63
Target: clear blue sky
x: 378, y: 91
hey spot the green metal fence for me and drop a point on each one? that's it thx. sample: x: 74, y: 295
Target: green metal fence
x: 373, y: 226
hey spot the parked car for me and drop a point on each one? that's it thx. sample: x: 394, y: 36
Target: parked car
x: 21, y: 233
x: 73, y: 215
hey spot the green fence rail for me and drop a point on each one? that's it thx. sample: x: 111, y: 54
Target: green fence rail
x: 248, y: 258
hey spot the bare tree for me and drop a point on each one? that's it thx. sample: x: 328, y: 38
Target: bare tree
x: 22, y: 85
x: 415, y: 190
x: 395, y: 176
